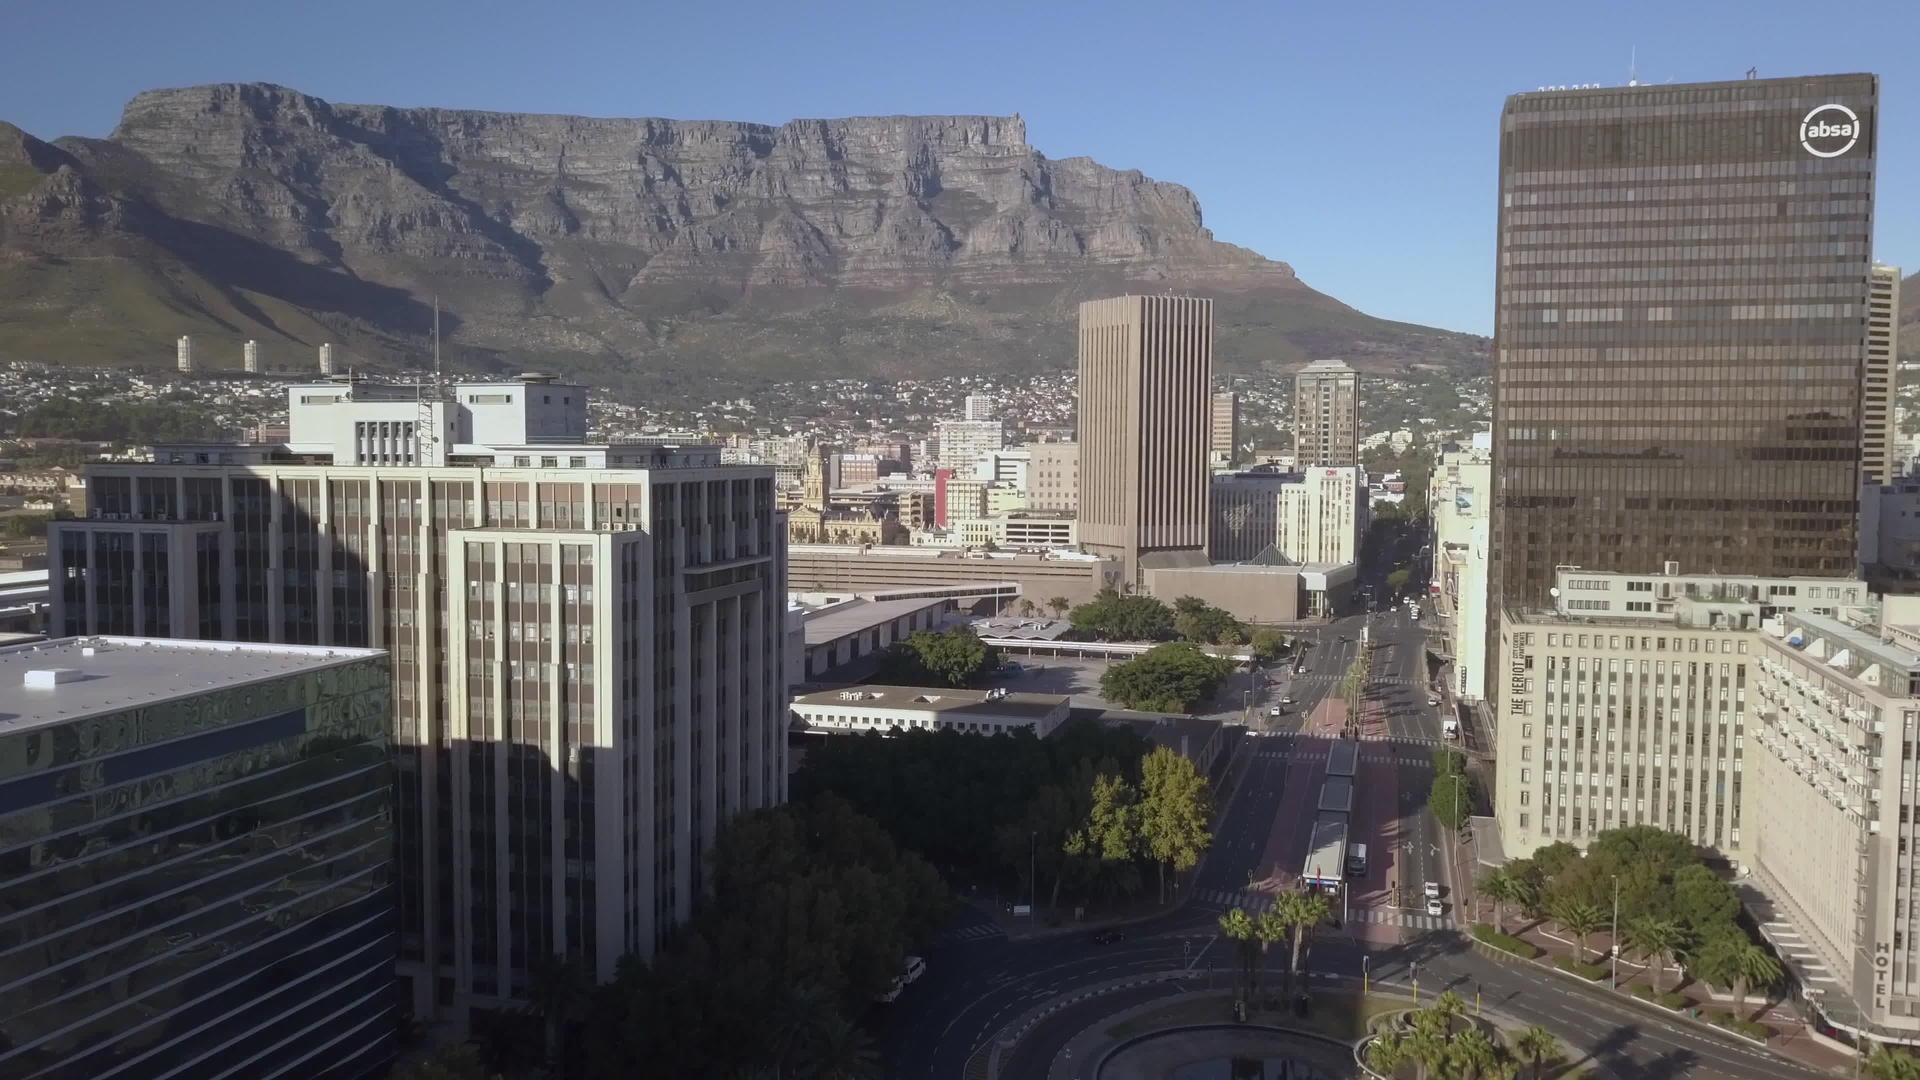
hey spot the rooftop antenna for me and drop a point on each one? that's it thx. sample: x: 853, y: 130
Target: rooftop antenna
x: 1633, y: 65
x: 1753, y: 73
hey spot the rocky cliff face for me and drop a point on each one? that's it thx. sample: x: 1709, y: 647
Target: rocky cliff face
x: 867, y: 245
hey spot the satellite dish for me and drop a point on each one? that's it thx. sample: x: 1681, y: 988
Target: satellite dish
x: 1553, y: 591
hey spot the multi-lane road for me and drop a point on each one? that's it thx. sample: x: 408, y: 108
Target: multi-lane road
x: 978, y: 982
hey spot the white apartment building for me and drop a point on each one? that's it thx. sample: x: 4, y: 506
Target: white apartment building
x: 587, y: 646
x: 1317, y: 517
x: 977, y: 407
x: 1628, y: 705
x: 1458, y: 497
x: 1836, y: 718
x: 1011, y: 467
x: 964, y: 442
x: 1019, y: 531
x: 910, y: 708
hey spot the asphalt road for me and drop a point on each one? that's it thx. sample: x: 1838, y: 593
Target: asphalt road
x: 978, y: 982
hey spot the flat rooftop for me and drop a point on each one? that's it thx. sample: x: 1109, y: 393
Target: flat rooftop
x: 859, y: 615
x: 935, y: 699
x: 108, y: 674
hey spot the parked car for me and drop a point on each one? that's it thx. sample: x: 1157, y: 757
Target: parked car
x: 1432, y: 891
x: 1432, y: 700
x: 1276, y: 711
x: 1435, y: 907
x: 1108, y: 937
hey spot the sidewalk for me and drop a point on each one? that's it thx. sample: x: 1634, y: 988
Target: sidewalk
x: 1791, y: 1037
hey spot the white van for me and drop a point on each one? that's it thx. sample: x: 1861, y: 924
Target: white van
x: 915, y: 968
x: 1450, y: 728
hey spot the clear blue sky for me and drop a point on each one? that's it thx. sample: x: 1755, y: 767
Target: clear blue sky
x: 1355, y: 140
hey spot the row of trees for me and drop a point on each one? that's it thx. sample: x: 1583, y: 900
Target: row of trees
x: 811, y: 912
x: 1292, y: 917
x: 1116, y: 616
x: 1674, y: 911
x: 1453, y: 791
x: 956, y: 657
x: 1441, y: 1043
x: 1166, y: 678
x: 112, y: 421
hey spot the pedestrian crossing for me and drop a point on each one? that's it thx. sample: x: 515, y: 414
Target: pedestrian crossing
x: 1366, y: 759
x: 1253, y: 903
x: 960, y: 934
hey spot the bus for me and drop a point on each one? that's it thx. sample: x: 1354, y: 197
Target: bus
x: 1336, y: 796
x: 1343, y: 757
x: 1326, y: 862
x: 1356, y: 860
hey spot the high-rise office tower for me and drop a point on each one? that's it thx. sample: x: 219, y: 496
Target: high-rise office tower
x: 1223, y: 444
x: 196, y: 860
x: 978, y: 407
x: 1146, y: 369
x: 1326, y: 416
x: 1880, y: 379
x: 1680, y: 329
x: 586, y: 640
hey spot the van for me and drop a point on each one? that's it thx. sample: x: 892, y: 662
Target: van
x: 1450, y: 728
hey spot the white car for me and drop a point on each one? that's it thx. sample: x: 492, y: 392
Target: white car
x: 1435, y: 907
x: 1432, y: 891
x: 1433, y: 700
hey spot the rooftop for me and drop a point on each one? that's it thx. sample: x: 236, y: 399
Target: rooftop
x: 936, y: 699
x: 836, y: 621
x: 70, y: 678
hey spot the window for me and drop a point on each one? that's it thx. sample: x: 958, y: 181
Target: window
x: 576, y: 463
x: 549, y: 462
x: 521, y: 461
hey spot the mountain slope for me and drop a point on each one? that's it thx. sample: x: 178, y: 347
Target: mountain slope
x: 668, y: 250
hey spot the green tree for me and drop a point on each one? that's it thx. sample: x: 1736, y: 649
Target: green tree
x: 1886, y: 1063
x: 1176, y: 812
x: 1397, y: 580
x: 1196, y: 620
x: 1111, y: 616
x: 1109, y: 840
x: 1540, y: 1048
x: 1451, y: 799
x: 956, y: 657
x: 1500, y: 887
x: 1657, y: 941
x: 1473, y: 1055
x: 1166, y: 678
x: 1387, y: 1052
x: 1241, y: 929
x: 843, y: 1051
x: 1299, y: 913
x: 1580, y: 919
x: 1059, y: 605
x: 1733, y: 960
x: 1267, y: 643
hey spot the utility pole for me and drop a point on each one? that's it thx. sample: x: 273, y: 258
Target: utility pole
x: 1033, y: 874
x: 1616, y: 932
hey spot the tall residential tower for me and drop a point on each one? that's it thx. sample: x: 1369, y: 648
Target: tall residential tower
x: 1326, y: 416
x: 1146, y: 370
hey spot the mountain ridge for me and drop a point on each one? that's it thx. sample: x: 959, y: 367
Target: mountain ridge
x: 621, y: 247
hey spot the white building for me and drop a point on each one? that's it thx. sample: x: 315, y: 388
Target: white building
x: 1458, y: 501
x: 327, y: 361
x: 183, y: 354
x: 1316, y: 517
x: 250, y: 357
x: 975, y: 712
x: 964, y: 442
x: 1628, y: 704
x: 1020, y: 530
x: 1012, y: 467
x: 978, y: 407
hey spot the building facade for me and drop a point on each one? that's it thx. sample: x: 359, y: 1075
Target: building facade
x: 1316, y: 517
x: 1223, y: 441
x: 1836, y: 709
x: 1683, y: 291
x: 1145, y: 378
x: 1880, y: 380
x: 1326, y: 416
x: 587, y: 655
x: 1000, y: 577
x: 1459, y: 490
x: 1628, y: 704
x: 913, y: 708
x: 964, y: 442
x: 977, y: 407
x: 1053, y: 476
x: 198, y: 846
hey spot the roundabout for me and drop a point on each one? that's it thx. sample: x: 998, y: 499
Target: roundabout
x: 1228, y: 1052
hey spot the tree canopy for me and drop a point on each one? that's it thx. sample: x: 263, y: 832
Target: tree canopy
x: 1196, y: 620
x: 1113, y: 617
x: 1166, y: 678
x: 954, y: 658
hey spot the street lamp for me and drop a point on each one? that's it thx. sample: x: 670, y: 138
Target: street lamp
x: 1033, y: 873
x: 1616, y: 932
x: 1366, y: 961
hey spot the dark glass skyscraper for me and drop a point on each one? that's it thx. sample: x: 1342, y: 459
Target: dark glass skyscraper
x: 1683, y: 296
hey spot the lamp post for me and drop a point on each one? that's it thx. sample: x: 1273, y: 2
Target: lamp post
x: 1413, y: 972
x: 1366, y: 961
x: 1616, y: 932
x: 1033, y: 874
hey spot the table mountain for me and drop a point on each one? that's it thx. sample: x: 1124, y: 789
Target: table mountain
x: 883, y: 246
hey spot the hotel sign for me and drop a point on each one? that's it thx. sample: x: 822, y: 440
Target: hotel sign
x: 1519, y: 684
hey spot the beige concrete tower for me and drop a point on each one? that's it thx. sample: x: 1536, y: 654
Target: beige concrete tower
x: 1146, y: 367
x: 1879, y: 377
x: 1326, y: 415
x: 1224, y: 445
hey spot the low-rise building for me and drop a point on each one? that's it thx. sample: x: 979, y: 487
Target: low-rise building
x: 997, y: 575
x: 974, y: 712
x: 842, y: 628
x: 198, y: 859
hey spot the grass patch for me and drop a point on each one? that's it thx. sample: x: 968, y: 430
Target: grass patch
x: 1668, y: 1000
x: 1725, y: 1019
x: 1585, y: 971
x: 1505, y: 942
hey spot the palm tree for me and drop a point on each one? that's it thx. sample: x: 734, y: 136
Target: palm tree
x: 802, y: 1011
x: 1239, y: 928
x: 1059, y: 604
x: 1448, y: 1006
x: 1428, y: 1036
x: 556, y: 990
x: 1269, y: 927
x: 1889, y: 1064
x: 1658, y: 941
x: 1387, y: 1052
x: 844, y: 1052
x: 1299, y: 913
x: 1747, y: 965
x: 1580, y: 919
x: 1540, y: 1047
x: 1473, y: 1055
x: 1498, y: 886
x: 1027, y: 609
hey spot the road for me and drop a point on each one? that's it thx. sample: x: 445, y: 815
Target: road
x: 978, y: 981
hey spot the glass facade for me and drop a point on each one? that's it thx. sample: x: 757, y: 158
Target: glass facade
x: 202, y: 886
x: 1683, y: 276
